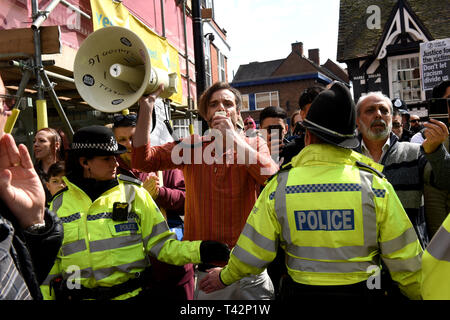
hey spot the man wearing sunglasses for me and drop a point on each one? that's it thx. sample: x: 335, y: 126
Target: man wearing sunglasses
x: 397, y: 126
x: 416, y: 124
x: 30, y: 235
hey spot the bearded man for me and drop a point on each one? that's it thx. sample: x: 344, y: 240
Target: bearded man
x: 403, y: 162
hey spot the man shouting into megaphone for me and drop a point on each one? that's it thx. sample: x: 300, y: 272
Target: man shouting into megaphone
x: 221, y: 184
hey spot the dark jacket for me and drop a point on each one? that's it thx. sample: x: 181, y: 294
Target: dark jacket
x: 292, y: 148
x: 404, y: 165
x: 26, y: 257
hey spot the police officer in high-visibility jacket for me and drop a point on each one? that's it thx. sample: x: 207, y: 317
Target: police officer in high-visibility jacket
x: 111, y: 225
x: 436, y: 265
x: 334, y: 215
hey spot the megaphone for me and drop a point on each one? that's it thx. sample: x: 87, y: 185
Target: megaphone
x: 112, y: 70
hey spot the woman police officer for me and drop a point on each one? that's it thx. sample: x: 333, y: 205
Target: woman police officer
x: 111, y: 225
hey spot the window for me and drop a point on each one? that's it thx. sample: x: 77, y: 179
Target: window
x: 221, y: 66
x: 266, y: 99
x: 208, y: 75
x: 245, y: 102
x: 207, y: 3
x: 180, y: 128
x: 404, y: 78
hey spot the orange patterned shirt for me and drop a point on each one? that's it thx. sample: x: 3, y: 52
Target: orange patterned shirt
x: 219, y: 196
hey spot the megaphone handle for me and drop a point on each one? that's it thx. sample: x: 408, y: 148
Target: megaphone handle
x: 160, y: 177
x: 11, y: 121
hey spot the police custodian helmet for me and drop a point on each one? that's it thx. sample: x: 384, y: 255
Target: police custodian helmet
x: 332, y: 117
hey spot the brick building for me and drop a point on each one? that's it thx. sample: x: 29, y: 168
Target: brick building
x: 280, y: 82
x: 171, y: 21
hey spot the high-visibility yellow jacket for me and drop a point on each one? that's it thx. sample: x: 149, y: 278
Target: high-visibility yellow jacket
x: 436, y: 265
x: 335, y: 217
x: 104, y: 252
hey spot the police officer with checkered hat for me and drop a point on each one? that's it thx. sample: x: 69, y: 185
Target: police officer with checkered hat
x: 111, y: 225
x: 333, y: 213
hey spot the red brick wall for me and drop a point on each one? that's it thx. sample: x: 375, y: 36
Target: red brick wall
x: 214, y: 64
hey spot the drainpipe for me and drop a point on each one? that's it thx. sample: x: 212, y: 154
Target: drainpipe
x: 162, y: 19
x: 186, y: 55
x: 188, y: 78
x: 198, y: 48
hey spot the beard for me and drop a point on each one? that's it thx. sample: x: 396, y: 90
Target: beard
x: 375, y: 133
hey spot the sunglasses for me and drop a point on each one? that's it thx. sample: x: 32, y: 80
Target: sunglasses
x: 120, y: 117
x: 8, y: 101
x: 414, y: 121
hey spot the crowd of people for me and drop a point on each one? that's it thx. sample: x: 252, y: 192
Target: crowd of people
x: 316, y: 207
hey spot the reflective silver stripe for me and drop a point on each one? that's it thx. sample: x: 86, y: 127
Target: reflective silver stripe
x: 73, y: 247
x: 439, y: 246
x: 259, y: 239
x: 155, y: 249
x: 84, y: 273
x: 280, y: 205
x: 248, y: 258
x: 328, y: 267
x: 130, y: 193
x: 49, y: 278
x: 398, y: 243
x: 57, y: 203
x: 368, y: 213
x: 409, y: 265
x: 115, y: 243
x: 324, y: 253
x: 126, y: 268
x: 157, y: 230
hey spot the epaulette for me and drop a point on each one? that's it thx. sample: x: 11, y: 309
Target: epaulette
x: 129, y: 179
x: 366, y: 167
x: 286, y: 167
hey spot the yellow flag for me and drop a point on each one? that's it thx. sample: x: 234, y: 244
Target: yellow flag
x: 162, y: 54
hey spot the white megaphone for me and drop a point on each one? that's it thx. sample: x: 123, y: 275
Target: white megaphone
x: 112, y: 70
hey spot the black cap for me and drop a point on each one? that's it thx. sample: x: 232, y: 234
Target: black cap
x: 332, y: 117
x: 400, y: 105
x: 95, y: 141
x: 125, y: 120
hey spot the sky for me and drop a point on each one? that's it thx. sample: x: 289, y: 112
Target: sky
x: 263, y: 30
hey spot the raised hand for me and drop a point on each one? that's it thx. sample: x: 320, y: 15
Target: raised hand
x: 436, y: 132
x: 20, y: 187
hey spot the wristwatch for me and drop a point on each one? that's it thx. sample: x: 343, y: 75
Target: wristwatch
x: 36, y: 228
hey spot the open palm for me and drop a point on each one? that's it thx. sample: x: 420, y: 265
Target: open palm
x: 20, y: 186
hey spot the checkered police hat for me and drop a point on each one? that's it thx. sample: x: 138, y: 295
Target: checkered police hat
x: 95, y: 141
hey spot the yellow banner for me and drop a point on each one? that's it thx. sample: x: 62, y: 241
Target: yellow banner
x: 162, y: 54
